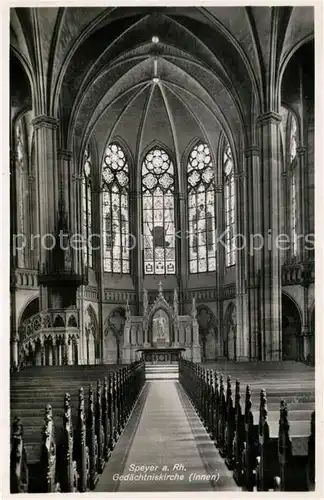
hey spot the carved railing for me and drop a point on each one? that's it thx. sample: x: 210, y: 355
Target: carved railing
x: 299, y: 273
x: 74, y: 459
x: 25, y: 279
x: 47, y: 322
x: 258, y: 457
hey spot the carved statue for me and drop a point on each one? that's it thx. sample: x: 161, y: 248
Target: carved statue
x: 160, y: 325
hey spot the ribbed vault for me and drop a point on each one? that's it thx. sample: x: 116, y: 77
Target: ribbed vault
x: 93, y: 68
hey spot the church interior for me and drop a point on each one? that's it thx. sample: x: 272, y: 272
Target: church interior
x: 162, y: 242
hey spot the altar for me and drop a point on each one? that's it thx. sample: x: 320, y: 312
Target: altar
x: 155, y: 355
x: 161, y: 335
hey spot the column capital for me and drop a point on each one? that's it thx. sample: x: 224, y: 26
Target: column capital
x: 301, y: 150
x: 269, y: 117
x: 65, y: 154
x: 239, y: 175
x: 13, y: 155
x: 251, y: 151
x: 134, y: 194
x: 45, y: 121
x: 77, y: 177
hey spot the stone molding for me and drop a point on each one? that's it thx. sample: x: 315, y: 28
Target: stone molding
x: 301, y: 150
x: 65, y: 154
x: 252, y: 151
x: 45, y: 121
x: 239, y: 175
x: 269, y: 117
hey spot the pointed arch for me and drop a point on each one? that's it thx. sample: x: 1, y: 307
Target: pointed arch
x: 290, y: 136
x: 115, y: 184
x: 201, y: 190
x: 158, y: 179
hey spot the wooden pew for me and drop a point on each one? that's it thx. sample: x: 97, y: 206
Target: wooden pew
x: 276, y: 448
x: 242, y: 437
x: 43, y: 475
x: 81, y: 450
x: 75, y: 460
x: 296, y: 454
x: 19, y: 474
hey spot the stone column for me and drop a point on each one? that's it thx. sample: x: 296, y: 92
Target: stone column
x: 14, y: 350
x: 38, y: 356
x: 45, y: 129
x: 242, y: 332
x: 43, y: 360
x: 196, y: 349
x: 253, y: 254
x: 59, y: 354
x: 220, y: 265
x: 50, y: 354
x: 181, y: 242
x: 302, y: 201
x: 271, y: 327
x: 305, y: 326
x: 69, y: 347
x: 65, y: 351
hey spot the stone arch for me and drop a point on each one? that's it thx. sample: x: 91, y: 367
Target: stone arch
x: 292, y: 346
x: 289, y: 55
x: 160, y: 304
x: 230, y: 332
x: 309, y: 355
x: 171, y: 153
x: 72, y: 322
x: 113, y: 335
x: 58, y: 322
x: 30, y: 308
x: 207, y: 332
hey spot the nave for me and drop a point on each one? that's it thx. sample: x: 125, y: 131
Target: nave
x: 256, y: 432
x: 165, y: 431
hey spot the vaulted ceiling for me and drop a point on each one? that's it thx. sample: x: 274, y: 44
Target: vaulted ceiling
x: 144, y: 74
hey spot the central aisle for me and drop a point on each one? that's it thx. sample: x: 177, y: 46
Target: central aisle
x: 165, y: 437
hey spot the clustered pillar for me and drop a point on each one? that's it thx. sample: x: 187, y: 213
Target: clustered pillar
x: 270, y: 269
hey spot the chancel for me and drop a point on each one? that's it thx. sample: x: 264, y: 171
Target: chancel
x: 164, y: 335
x: 162, y: 247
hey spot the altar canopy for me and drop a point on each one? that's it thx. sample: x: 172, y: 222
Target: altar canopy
x: 161, y: 328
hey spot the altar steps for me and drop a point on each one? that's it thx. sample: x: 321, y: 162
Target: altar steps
x: 162, y: 371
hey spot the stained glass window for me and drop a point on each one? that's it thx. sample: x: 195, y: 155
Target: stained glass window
x: 229, y: 200
x: 87, y: 208
x: 115, y: 179
x: 201, y: 210
x: 158, y: 213
x: 292, y: 151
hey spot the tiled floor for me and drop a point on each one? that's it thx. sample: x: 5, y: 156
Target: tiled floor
x: 165, y: 437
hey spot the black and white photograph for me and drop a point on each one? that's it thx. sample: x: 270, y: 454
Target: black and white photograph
x: 162, y: 249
